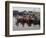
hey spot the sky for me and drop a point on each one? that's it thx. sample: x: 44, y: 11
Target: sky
x: 27, y: 9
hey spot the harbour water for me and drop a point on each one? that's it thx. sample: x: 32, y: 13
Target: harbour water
x: 26, y: 27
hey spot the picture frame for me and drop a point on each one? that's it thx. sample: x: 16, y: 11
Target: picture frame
x: 25, y: 7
